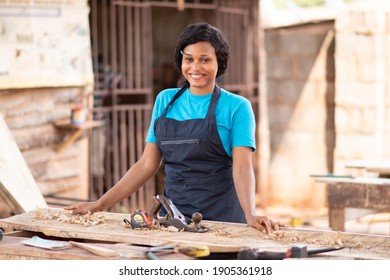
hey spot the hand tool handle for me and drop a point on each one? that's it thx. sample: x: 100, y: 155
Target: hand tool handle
x: 97, y: 250
x: 253, y: 254
x: 155, y: 208
x: 323, y: 250
x: 151, y: 256
x: 195, y: 251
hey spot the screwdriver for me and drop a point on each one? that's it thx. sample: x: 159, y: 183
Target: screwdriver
x: 196, y: 251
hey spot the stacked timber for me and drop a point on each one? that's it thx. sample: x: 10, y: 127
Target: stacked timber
x: 30, y: 116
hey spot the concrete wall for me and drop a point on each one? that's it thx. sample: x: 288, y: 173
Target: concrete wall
x: 329, y: 100
x: 362, y: 111
x: 300, y: 88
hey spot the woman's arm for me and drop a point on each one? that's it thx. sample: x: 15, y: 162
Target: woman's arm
x: 244, y: 181
x: 134, y: 178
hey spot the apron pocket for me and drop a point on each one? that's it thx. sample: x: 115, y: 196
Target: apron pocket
x: 180, y: 142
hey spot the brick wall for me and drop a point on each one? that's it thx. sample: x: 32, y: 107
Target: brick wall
x: 362, y: 109
x: 300, y: 88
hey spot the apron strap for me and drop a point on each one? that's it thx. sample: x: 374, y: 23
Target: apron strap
x: 213, y: 102
x: 177, y: 95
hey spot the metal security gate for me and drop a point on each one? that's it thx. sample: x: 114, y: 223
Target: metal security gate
x: 121, y: 47
x: 122, y: 50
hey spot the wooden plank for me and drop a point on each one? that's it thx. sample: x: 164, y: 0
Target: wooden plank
x: 11, y: 248
x: 349, y: 195
x: 361, y: 193
x: 17, y: 185
x: 367, y: 193
x: 223, y: 237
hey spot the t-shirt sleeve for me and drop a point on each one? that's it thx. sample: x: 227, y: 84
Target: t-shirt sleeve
x: 150, y: 137
x: 244, y: 126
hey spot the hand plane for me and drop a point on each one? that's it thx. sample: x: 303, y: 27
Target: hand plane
x: 174, y: 217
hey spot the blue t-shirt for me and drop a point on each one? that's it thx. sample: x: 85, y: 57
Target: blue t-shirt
x: 235, y: 119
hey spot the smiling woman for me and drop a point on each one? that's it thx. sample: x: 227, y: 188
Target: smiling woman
x: 199, y: 67
x: 208, y: 40
x: 205, y: 137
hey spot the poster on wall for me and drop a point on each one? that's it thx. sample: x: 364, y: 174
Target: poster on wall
x: 45, y: 45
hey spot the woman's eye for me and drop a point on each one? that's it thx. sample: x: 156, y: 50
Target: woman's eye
x: 187, y: 59
x: 204, y: 60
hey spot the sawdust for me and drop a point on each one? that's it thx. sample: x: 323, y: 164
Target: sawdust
x: 288, y: 237
x: 224, y: 233
x: 92, y: 219
x: 89, y: 219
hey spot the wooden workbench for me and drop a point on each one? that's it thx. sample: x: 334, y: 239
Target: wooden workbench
x: 364, y: 193
x: 223, y: 238
x: 12, y: 248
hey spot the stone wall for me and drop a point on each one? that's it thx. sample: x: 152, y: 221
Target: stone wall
x: 300, y: 88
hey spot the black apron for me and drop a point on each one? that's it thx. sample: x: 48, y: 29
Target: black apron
x: 197, y: 168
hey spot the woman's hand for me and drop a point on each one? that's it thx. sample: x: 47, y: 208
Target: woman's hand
x: 83, y: 208
x: 264, y: 224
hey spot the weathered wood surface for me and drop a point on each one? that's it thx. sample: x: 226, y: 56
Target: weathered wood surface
x: 17, y: 185
x: 369, y: 194
x: 30, y: 116
x: 366, y: 193
x: 12, y: 249
x: 223, y: 237
x: 55, y: 173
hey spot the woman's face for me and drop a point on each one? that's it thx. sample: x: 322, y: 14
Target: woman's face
x: 199, y: 67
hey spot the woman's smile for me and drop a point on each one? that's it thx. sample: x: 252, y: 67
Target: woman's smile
x: 199, y: 67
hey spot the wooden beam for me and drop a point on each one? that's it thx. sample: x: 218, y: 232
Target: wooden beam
x: 17, y: 185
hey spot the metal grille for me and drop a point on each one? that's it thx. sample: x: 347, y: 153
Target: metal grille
x: 121, y: 46
x: 123, y: 71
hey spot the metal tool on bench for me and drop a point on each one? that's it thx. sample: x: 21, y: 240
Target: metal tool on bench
x: 196, y: 251
x: 139, y: 219
x: 296, y: 251
x: 174, y: 217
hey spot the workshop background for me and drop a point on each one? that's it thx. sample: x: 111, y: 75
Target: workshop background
x: 315, y: 76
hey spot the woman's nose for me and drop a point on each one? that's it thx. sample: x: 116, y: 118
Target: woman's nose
x: 196, y: 65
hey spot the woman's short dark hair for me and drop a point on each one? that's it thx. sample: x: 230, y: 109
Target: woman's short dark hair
x: 202, y: 32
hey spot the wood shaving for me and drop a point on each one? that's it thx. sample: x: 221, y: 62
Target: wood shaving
x: 287, y: 237
x: 87, y: 220
x: 224, y: 233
